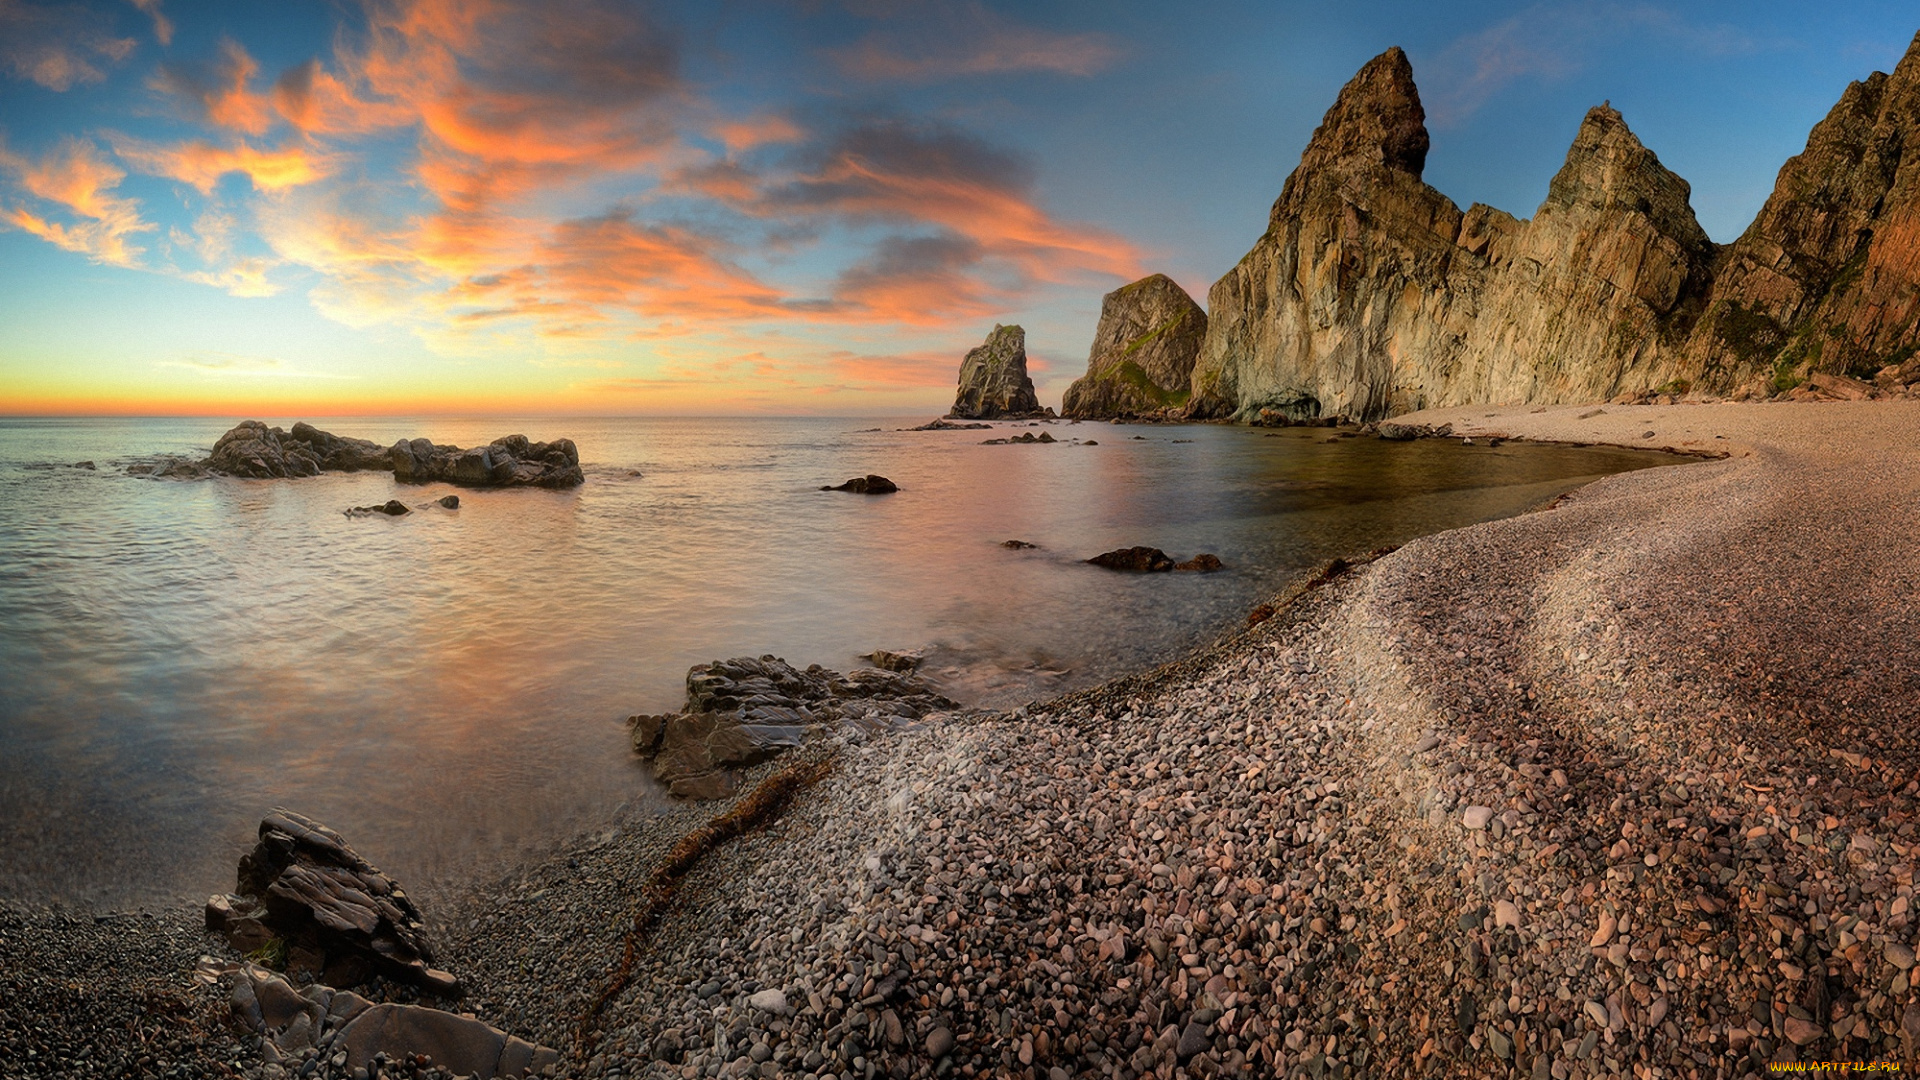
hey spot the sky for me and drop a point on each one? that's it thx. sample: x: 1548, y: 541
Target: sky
x: 728, y: 208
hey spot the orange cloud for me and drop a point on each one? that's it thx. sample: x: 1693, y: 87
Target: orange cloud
x: 740, y: 135
x: 220, y: 89
x: 925, y: 369
x: 202, y: 164
x: 78, y: 179
x: 318, y: 102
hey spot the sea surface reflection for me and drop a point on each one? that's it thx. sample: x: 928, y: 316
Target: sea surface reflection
x: 448, y: 688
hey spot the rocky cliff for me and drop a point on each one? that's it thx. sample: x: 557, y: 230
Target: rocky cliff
x: 993, y: 379
x: 1141, y: 362
x: 1371, y: 293
x: 1827, y: 278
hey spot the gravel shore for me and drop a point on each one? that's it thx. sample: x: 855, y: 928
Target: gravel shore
x: 1621, y: 787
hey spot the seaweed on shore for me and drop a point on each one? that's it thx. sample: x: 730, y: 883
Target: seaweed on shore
x: 756, y: 810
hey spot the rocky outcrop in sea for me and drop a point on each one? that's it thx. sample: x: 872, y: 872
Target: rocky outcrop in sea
x: 743, y: 711
x: 252, y: 449
x: 1372, y: 294
x: 1141, y: 362
x: 994, y: 384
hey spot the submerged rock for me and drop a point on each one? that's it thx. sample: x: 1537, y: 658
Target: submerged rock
x: 870, y: 484
x: 392, y: 508
x: 1023, y: 437
x: 742, y: 711
x: 1141, y: 362
x: 333, y: 914
x: 994, y: 384
x: 252, y: 449
x: 948, y: 425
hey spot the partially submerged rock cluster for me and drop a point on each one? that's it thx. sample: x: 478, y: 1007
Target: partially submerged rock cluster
x: 742, y: 711
x: 252, y: 449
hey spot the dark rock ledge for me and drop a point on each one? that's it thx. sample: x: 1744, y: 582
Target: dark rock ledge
x: 743, y: 711
x: 254, y: 450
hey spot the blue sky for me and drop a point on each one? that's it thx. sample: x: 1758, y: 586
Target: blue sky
x: 781, y: 207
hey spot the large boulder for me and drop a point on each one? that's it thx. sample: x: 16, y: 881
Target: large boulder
x: 514, y: 461
x: 742, y: 711
x: 1141, y: 362
x: 994, y: 384
x: 306, y: 898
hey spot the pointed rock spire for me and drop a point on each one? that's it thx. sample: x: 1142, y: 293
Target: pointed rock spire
x: 1607, y: 167
x: 1376, y: 123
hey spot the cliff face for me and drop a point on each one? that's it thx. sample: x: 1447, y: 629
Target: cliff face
x: 1372, y: 294
x: 1350, y: 279
x: 1141, y: 362
x: 1827, y: 278
x: 993, y: 379
x: 1601, y: 288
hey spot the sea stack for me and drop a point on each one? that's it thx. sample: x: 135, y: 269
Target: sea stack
x: 1141, y: 362
x: 993, y: 380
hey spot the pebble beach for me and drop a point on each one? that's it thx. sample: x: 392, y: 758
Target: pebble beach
x: 1621, y: 787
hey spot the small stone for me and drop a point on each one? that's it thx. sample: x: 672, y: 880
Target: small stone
x: 1597, y: 1013
x: 1193, y: 1040
x: 939, y: 1042
x: 1605, y: 932
x: 1898, y: 955
x: 772, y: 1001
x: 1499, y: 1044
x: 1476, y: 817
x: 1801, y: 1031
x: 1506, y: 913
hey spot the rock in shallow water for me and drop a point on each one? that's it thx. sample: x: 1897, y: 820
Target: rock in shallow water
x: 742, y: 711
x: 870, y: 484
x: 334, y: 913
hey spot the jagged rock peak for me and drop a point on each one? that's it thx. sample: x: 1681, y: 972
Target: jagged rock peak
x: 994, y: 384
x: 1607, y: 167
x: 1141, y: 362
x: 1377, y: 122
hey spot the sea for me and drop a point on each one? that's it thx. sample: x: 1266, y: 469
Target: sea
x: 449, y: 688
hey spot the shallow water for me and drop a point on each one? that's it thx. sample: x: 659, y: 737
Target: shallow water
x: 448, y: 688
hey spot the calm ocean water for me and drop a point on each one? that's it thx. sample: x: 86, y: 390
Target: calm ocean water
x: 448, y: 688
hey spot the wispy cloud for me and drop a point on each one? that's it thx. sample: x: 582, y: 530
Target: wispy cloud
x: 927, y: 42
x: 234, y: 365
x: 1555, y: 40
x: 58, y: 47
x: 162, y: 26
x: 202, y: 164
x: 76, y: 179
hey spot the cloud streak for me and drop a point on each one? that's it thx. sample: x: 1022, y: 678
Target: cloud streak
x: 946, y: 41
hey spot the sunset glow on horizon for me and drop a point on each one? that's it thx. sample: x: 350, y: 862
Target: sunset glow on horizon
x: 497, y: 206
